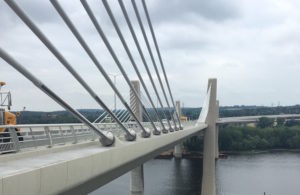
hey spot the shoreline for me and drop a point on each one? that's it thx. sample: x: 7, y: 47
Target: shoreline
x: 223, y: 154
x: 260, y: 151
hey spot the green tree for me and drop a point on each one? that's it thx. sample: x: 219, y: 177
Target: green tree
x: 280, y: 121
x: 265, y: 122
x: 290, y: 123
x: 294, y: 142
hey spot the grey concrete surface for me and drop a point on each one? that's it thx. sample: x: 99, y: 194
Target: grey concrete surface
x: 137, y: 180
x: 178, y: 148
x: 137, y: 174
x: 178, y: 151
x: 217, y: 130
x: 209, y: 169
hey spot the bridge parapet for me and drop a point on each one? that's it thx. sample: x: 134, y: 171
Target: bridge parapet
x: 32, y: 136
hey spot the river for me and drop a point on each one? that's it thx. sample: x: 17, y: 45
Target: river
x: 276, y: 173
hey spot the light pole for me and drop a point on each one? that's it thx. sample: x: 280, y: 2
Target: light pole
x: 115, y: 82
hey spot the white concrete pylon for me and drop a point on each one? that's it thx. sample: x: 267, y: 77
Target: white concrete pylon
x: 178, y: 148
x: 134, y: 103
x: 217, y: 130
x: 209, y: 149
x: 136, y: 183
x: 205, y: 107
x: 137, y: 174
x: 178, y: 151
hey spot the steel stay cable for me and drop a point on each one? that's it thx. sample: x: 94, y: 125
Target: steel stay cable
x: 106, y: 138
x: 82, y: 42
x: 123, y: 113
x: 143, y: 58
x: 152, y: 59
x: 124, y: 116
x: 63, y: 61
x: 114, y: 56
x: 104, y: 113
x: 120, y: 35
x: 160, y: 58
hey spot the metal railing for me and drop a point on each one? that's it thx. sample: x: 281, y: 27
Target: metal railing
x: 30, y: 136
x: 18, y: 137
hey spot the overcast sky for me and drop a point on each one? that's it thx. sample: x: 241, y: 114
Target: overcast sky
x: 250, y: 46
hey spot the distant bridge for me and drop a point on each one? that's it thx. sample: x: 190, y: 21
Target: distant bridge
x: 253, y: 119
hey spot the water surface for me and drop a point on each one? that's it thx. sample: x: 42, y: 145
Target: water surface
x: 162, y: 177
x: 275, y: 173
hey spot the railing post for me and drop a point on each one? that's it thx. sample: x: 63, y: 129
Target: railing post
x: 74, y: 135
x: 33, y: 137
x: 178, y: 148
x: 48, y: 134
x: 93, y: 133
x: 137, y: 174
x: 209, y: 149
x: 14, y: 138
x: 61, y: 134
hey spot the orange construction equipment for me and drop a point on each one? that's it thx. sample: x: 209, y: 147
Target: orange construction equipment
x: 6, y: 117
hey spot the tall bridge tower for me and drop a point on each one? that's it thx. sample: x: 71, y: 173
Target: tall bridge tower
x: 209, y: 115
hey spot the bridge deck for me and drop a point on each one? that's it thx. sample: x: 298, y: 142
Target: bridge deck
x: 80, y: 168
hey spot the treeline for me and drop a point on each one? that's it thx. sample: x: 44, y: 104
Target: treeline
x: 251, y: 138
x: 232, y: 111
x: 30, y: 117
x: 268, y: 134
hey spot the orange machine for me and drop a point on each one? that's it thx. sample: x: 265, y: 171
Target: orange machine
x: 183, y: 119
x: 6, y: 117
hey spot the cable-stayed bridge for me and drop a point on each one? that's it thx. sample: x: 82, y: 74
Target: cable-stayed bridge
x: 68, y: 158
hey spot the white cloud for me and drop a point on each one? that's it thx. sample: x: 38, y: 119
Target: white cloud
x: 252, y: 47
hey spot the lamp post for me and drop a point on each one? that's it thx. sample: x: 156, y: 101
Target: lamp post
x: 115, y: 82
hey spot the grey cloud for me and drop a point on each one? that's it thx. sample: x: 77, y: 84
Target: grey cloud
x: 214, y: 10
x: 41, y: 11
x: 198, y: 39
